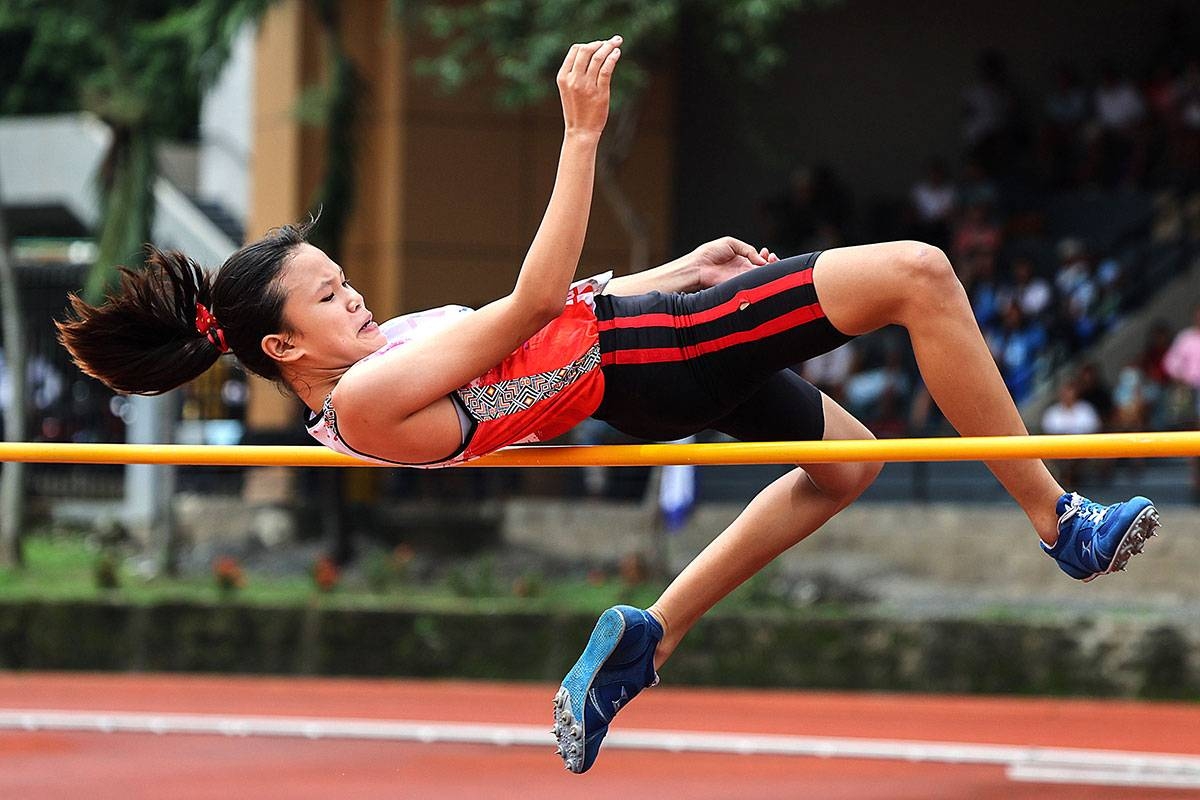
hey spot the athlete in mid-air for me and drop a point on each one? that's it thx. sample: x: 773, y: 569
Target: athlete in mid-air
x: 703, y: 342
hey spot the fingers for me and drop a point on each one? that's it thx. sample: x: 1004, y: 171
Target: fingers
x: 740, y: 248
x: 600, y: 57
x: 604, y: 78
x: 767, y: 257
x: 583, y: 57
x: 591, y: 58
x: 568, y: 62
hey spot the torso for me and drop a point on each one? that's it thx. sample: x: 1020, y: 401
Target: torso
x: 541, y: 390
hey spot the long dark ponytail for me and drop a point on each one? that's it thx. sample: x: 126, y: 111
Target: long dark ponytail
x: 144, y: 338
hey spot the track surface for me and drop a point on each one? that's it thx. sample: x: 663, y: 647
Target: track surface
x: 55, y: 765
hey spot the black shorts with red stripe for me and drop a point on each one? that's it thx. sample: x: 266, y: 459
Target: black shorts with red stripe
x: 676, y: 364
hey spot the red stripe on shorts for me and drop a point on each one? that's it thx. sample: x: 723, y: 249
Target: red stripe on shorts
x: 791, y: 281
x: 657, y: 355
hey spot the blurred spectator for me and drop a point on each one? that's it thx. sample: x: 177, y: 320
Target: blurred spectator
x: 1110, y: 278
x: 934, y: 199
x: 810, y: 215
x: 1182, y: 360
x: 1185, y: 133
x: 880, y: 395
x: 1074, y: 270
x: 1160, y: 94
x: 1028, y: 290
x: 977, y: 237
x: 989, y: 106
x: 1119, y: 105
x: 975, y: 186
x: 829, y: 372
x: 1078, y: 294
x: 1070, y: 415
x: 1158, y: 342
x: 1118, y: 141
x: 988, y: 298
x: 1066, y: 111
x: 1133, y: 396
x: 1016, y: 346
x: 1094, y: 391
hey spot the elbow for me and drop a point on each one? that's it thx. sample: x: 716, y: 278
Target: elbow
x: 539, y: 309
x: 553, y: 308
x: 546, y: 313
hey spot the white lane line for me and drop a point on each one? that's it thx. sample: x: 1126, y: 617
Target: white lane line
x: 1142, y: 778
x: 1048, y: 764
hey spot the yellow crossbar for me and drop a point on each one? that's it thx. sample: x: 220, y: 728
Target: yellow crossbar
x: 983, y: 448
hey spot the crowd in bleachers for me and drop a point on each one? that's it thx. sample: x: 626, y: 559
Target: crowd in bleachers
x: 1065, y: 215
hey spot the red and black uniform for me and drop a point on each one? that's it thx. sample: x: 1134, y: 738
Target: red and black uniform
x: 675, y: 364
x: 655, y: 366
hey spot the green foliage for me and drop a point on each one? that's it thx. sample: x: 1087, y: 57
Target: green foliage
x: 475, y: 580
x: 523, y: 41
x: 135, y: 62
x: 140, y: 66
x: 388, y: 570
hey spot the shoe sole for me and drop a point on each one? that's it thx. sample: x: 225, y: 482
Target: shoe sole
x: 1143, y: 528
x: 569, y: 700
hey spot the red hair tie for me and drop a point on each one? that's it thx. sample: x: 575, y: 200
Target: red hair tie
x: 207, y: 324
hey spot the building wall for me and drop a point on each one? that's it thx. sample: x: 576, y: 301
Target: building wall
x: 478, y: 179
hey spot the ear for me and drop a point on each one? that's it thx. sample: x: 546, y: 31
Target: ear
x: 279, y: 347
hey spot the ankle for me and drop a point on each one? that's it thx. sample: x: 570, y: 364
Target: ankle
x: 1044, y: 516
x: 666, y: 645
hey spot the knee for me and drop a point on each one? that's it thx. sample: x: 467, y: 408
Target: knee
x: 851, y: 481
x: 927, y: 267
x: 864, y: 475
x: 932, y: 285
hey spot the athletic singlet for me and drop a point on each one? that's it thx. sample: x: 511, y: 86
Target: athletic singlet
x: 543, y: 389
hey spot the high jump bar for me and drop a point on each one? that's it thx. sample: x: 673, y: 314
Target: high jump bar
x: 977, y: 448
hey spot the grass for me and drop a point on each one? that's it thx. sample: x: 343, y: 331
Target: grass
x: 64, y: 567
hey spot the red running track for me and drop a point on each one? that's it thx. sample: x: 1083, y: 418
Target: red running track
x: 98, y: 766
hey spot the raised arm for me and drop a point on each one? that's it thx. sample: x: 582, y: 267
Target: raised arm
x: 583, y: 84
x: 416, y: 375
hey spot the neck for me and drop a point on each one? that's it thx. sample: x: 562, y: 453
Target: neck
x: 313, y: 386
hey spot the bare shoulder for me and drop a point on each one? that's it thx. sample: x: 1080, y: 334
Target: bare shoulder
x: 369, y: 421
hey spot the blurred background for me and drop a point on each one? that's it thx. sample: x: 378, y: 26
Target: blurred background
x: 1051, y: 149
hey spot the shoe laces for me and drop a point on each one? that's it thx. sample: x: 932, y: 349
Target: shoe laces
x: 1084, y: 509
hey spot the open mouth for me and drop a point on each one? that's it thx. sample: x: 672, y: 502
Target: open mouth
x: 368, y: 325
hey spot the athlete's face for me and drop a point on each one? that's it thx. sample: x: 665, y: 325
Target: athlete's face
x: 330, y: 325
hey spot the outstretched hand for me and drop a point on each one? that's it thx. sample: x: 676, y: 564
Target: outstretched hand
x: 724, y: 258
x: 584, y: 81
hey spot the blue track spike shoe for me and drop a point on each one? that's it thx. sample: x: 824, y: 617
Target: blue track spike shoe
x: 1095, y: 540
x: 617, y: 663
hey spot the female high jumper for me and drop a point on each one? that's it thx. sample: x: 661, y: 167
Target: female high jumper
x: 702, y: 342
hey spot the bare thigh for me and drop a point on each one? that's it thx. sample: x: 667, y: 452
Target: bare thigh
x: 866, y: 287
